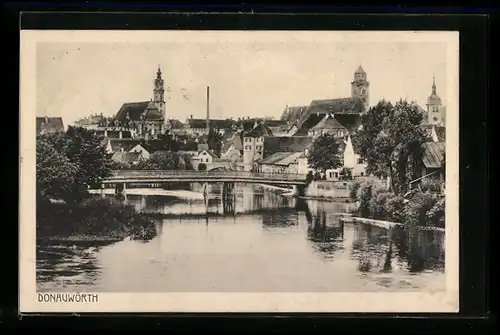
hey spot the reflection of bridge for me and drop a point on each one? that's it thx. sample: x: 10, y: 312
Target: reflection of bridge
x: 120, y: 178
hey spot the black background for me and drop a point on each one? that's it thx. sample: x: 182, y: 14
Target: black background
x: 476, y: 82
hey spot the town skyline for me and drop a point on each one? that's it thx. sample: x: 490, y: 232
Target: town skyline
x: 256, y: 79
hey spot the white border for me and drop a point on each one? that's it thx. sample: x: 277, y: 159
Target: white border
x: 234, y: 302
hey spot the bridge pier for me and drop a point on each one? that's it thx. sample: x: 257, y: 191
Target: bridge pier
x: 121, y: 189
x: 227, y: 190
x: 299, y: 190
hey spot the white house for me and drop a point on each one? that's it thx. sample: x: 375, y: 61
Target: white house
x: 353, y: 160
x: 206, y: 156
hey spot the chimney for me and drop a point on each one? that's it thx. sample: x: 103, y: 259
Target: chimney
x: 208, y: 109
x: 191, y: 116
x: 46, y: 119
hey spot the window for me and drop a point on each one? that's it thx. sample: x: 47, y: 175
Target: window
x: 362, y: 174
x: 360, y: 160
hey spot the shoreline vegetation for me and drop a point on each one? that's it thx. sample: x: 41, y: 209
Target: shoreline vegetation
x: 66, y: 165
x: 423, y: 208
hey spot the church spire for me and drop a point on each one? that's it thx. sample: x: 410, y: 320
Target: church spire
x: 434, y: 85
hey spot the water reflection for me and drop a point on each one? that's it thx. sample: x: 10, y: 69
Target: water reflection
x: 250, y: 240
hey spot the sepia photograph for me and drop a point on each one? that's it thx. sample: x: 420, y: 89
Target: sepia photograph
x: 248, y: 171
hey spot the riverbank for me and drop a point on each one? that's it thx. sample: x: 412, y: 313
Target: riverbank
x: 105, y: 220
x: 423, y: 209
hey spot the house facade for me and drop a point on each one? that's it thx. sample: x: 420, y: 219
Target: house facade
x: 353, y: 160
x: 253, y: 145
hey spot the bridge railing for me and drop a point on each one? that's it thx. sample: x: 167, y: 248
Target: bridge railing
x: 120, y: 174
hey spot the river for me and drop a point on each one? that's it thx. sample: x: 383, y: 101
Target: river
x: 258, y: 241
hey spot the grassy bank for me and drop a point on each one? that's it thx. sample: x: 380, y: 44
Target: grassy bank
x: 92, y: 219
x: 422, y: 208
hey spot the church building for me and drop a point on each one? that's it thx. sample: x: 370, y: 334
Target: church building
x: 144, y: 119
x: 435, y: 110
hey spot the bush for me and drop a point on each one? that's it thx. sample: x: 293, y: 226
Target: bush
x: 353, y: 192
x: 345, y: 174
x: 364, y: 196
x: 395, y: 208
x: 436, y: 215
x: 377, y: 205
x: 202, y: 167
x: 430, y: 185
x: 415, y: 213
x: 96, y: 218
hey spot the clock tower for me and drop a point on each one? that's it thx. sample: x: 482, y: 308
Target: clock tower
x: 360, y: 87
x: 159, y: 94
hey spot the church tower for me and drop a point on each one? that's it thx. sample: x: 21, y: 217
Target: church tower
x: 159, y: 94
x: 360, y: 87
x: 434, y: 106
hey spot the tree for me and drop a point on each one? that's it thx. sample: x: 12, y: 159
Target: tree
x: 161, y: 160
x: 215, y: 141
x: 324, y: 154
x: 346, y: 174
x: 202, y: 167
x: 84, y: 149
x: 86, y: 154
x: 54, y: 172
x: 390, y: 140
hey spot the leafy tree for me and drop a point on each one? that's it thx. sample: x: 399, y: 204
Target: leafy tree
x: 85, y: 153
x: 161, y: 160
x: 215, y: 141
x: 55, y: 173
x: 390, y: 140
x: 324, y: 154
x: 202, y: 167
x: 443, y: 166
x: 84, y: 149
x: 346, y: 174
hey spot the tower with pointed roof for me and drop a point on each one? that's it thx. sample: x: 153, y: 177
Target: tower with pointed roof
x: 159, y: 94
x: 434, y: 115
x: 360, y: 87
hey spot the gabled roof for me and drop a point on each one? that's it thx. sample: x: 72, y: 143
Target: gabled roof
x: 310, y: 122
x: 291, y: 158
x: 126, y: 157
x: 274, y: 158
x: 208, y: 151
x: 259, y: 131
x: 128, y: 144
x: 49, y: 125
x: 202, y: 146
x: 290, y: 144
x: 328, y: 122
x: 433, y: 154
x: 336, y: 106
x: 213, y: 123
x: 274, y: 123
x: 134, y: 111
x: 295, y: 113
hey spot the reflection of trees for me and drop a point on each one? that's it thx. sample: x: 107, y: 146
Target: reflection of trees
x: 279, y: 219
x: 326, y: 236
x: 421, y: 250
x: 372, y: 248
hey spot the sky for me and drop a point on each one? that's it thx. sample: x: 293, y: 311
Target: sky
x: 247, y: 77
